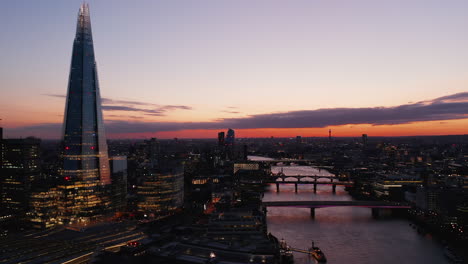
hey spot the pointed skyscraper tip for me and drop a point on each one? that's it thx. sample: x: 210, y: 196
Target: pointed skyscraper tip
x: 83, y: 29
x: 84, y: 9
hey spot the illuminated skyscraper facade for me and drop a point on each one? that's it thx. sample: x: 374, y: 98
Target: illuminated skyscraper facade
x: 162, y: 190
x: 86, y: 169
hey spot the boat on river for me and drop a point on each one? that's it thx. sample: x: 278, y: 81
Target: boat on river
x: 317, y: 253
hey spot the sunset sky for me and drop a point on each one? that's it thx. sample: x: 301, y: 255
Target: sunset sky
x: 190, y: 68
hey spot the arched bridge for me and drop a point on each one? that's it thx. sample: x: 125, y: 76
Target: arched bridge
x: 300, y: 177
x: 307, y: 179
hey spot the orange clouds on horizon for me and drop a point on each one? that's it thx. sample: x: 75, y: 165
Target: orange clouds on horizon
x: 428, y: 128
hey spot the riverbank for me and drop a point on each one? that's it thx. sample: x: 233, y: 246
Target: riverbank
x: 345, y: 234
x: 422, y: 226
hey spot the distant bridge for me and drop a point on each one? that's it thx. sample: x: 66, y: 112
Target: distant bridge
x: 301, y: 179
x: 376, y: 206
x: 292, y: 161
x: 319, y: 204
x: 284, y: 160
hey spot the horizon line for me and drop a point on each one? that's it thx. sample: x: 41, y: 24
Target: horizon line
x: 288, y: 137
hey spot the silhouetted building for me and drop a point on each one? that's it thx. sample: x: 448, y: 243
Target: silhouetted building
x: 298, y: 139
x: 86, y: 169
x: 1, y: 168
x: 229, y: 144
x: 119, y: 182
x: 230, y: 137
x: 245, y: 152
x: 364, y: 139
x: 221, y: 139
x: 154, y: 151
x: 20, y: 167
x: 1, y: 149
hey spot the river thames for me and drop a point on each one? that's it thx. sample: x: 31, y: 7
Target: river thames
x: 345, y: 234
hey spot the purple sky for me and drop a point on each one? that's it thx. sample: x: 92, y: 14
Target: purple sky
x: 242, y: 62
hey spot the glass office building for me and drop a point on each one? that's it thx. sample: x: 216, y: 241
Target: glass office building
x: 230, y: 137
x: 86, y: 171
x: 162, y: 190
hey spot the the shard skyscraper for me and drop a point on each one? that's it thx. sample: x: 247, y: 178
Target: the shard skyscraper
x: 86, y: 171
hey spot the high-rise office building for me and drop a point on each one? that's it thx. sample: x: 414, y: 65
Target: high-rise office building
x: 20, y: 167
x: 230, y: 137
x: 119, y: 182
x: 229, y: 144
x: 86, y: 169
x: 364, y: 139
x: 154, y: 151
x: 43, y: 206
x: 298, y: 139
x: 162, y: 190
x: 221, y: 139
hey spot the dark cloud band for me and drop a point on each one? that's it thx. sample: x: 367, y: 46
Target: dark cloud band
x: 129, y: 106
x: 443, y: 108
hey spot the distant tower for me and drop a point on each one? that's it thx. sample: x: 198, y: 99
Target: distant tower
x: 364, y: 139
x: 245, y: 152
x: 221, y: 139
x: 329, y: 135
x: 119, y: 182
x: 154, y: 151
x: 230, y: 137
x: 229, y: 142
x: 85, y: 158
x: 298, y: 139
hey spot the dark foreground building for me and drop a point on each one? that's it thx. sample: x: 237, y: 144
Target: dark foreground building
x: 20, y: 168
x: 86, y: 172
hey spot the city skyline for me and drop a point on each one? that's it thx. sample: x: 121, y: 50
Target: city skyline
x: 301, y: 162
x: 195, y: 80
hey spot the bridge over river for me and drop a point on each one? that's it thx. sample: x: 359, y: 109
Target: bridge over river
x: 346, y: 232
x: 376, y: 206
x: 315, y: 183
x: 281, y: 178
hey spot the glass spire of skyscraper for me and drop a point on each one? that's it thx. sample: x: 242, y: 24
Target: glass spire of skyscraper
x: 85, y: 157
